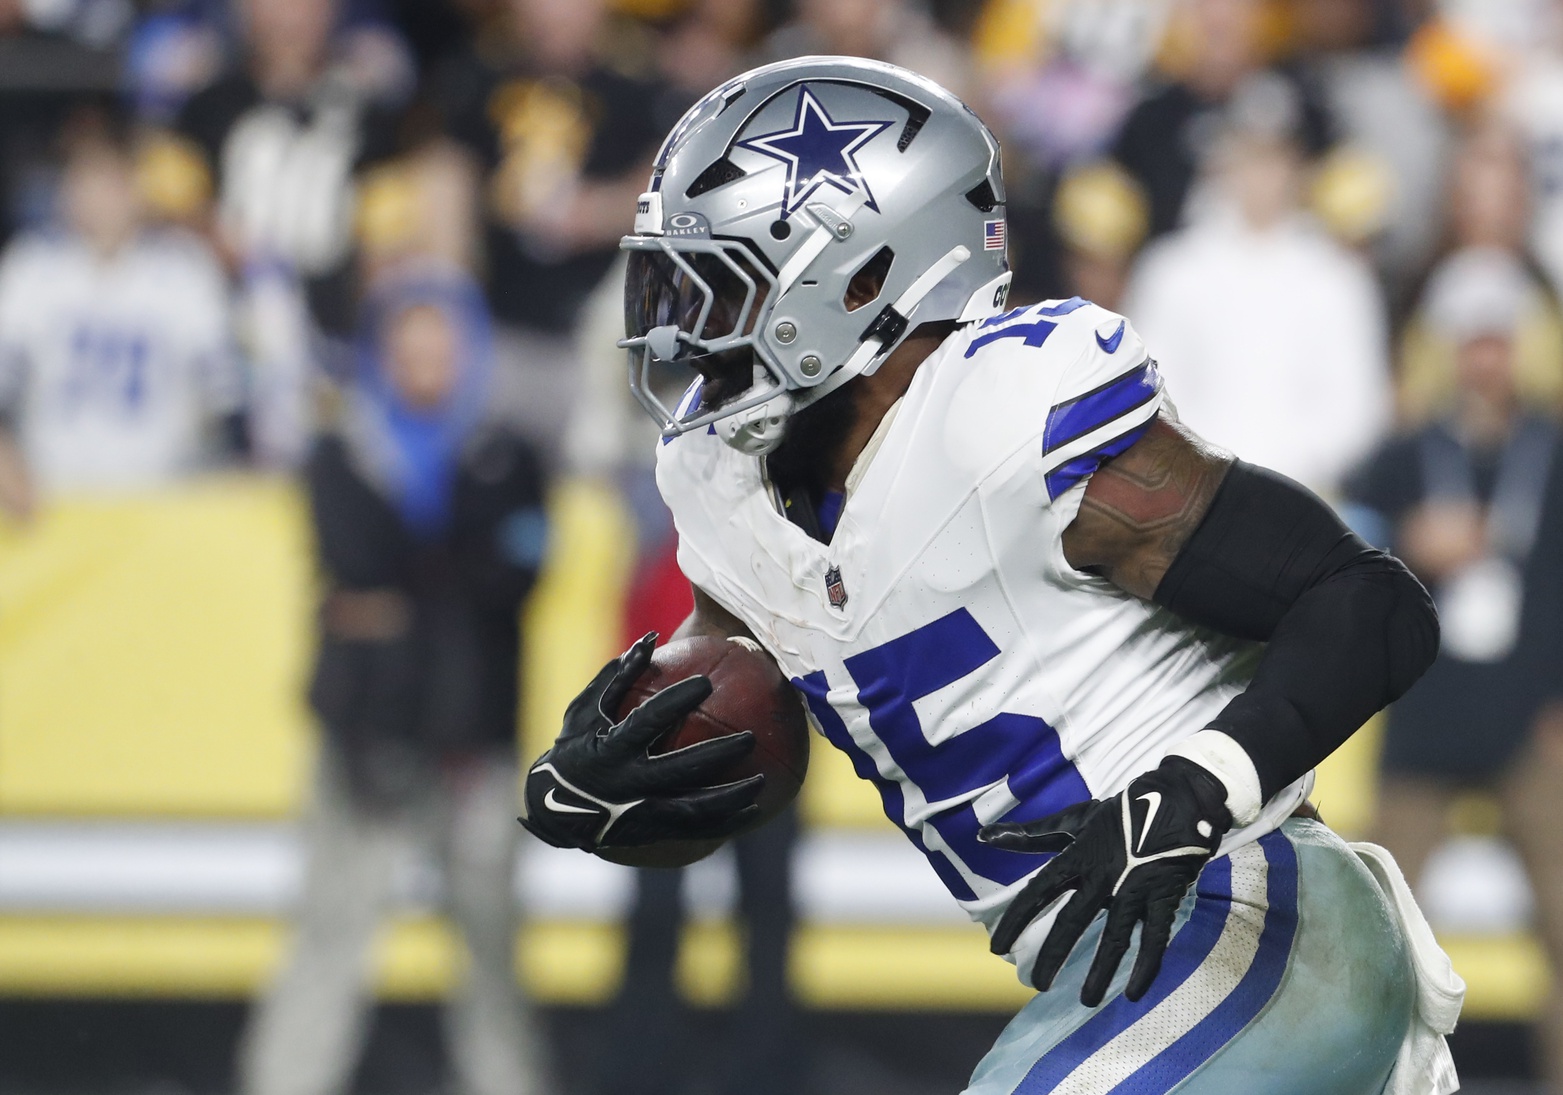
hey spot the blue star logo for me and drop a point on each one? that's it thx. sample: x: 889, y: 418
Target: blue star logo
x: 818, y: 152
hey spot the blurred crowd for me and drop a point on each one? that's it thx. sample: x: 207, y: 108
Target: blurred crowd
x: 1284, y: 194
x: 373, y: 242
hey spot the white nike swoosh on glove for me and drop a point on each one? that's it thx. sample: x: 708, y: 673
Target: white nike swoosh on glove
x: 1152, y: 797
x: 551, y: 801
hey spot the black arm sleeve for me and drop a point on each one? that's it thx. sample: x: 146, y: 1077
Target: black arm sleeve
x: 1349, y: 628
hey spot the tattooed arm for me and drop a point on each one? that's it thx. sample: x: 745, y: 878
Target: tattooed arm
x: 1253, y: 554
x: 1141, y: 508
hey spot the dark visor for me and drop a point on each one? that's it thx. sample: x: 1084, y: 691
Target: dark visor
x: 662, y: 290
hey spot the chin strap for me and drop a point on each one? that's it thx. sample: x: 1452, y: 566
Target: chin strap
x: 758, y: 430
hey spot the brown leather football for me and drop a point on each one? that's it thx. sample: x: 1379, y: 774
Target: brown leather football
x: 748, y: 692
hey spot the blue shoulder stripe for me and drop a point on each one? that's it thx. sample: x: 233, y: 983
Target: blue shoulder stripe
x: 1101, y: 406
x: 1066, y: 475
x: 1096, y: 408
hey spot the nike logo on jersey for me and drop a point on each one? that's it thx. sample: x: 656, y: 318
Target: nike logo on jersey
x: 1153, y: 798
x: 1110, y: 345
x: 551, y: 800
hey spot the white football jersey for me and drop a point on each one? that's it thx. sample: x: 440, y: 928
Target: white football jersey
x: 111, y: 366
x: 940, y: 638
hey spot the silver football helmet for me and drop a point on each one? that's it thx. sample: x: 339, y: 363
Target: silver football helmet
x: 766, y: 200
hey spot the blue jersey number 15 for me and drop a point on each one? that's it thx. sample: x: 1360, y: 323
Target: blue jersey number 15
x: 1022, y: 750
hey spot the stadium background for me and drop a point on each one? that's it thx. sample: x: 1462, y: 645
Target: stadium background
x: 155, y: 749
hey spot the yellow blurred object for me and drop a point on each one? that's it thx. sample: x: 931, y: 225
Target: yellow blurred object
x: 1179, y: 51
x: 575, y: 612
x: 1476, y: 813
x: 544, y: 127
x: 1456, y: 70
x: 153, y: 651
x: 654, y: 10
x: 1426, y: 385
x: 1346, y: 784
x: 389, y: 210
x: 1275, y: 26
x: 1507, y: 977
x: 1011, y: 34
x: 833, y: 796
x: 861, y: 967
x: 1352, y: 193
x: 173, y: 177
x: 414, y: 957
x: 1102, y: 210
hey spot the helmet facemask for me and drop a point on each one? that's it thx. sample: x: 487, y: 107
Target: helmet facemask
x: 698, y: 302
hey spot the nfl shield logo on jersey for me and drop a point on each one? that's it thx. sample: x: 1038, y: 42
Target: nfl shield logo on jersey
x: 834, y: 588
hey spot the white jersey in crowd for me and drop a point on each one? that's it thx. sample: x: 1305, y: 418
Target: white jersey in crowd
x: 109, y: 367
x: 940, y: 638
x: 1273, y: 341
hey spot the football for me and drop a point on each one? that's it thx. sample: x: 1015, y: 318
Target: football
x: 748, y: 692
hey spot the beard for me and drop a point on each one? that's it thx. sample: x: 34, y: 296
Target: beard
x: 809, y: 448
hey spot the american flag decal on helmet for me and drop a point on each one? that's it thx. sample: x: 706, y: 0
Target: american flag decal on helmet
x: 993, y: 235
x: 834, y: 588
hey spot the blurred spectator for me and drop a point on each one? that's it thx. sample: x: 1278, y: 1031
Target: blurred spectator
x: 95, y: 23
x: 1489, y: 207
x: 1166, y: 140
x: 1533, y: 101
x: 116, y: 358
x: 170, y: 56
x: 1383, y: 187
x: 708, y: 43
x: 430, y: 529
x: 1057, y: 81
x: 564, y: 143
x: 899, y: 31
x: 1060, y: 78
x: 283, y: 134
x: 179, y: 48
x: 1101, y: 218
x: 1473, y: 502
x: 1271, y: 334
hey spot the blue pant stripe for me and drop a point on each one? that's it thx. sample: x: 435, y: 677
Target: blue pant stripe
x: 1252, y: 993
x: 1187, y: 951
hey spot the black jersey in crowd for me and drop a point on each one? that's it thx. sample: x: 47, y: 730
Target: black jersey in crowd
x: 449, y: 682
x: 284, y: 172
x: 598, y: 124
x: 1468, y: 717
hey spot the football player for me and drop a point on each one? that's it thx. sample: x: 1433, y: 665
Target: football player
x: 1088, y: 660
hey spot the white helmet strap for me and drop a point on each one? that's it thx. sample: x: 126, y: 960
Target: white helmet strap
x: 872, y: 351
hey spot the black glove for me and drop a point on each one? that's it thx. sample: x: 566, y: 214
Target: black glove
x: 1133, y: 854
x: 599, y: 787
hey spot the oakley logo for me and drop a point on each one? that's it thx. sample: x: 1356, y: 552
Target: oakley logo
x: 688, y: 224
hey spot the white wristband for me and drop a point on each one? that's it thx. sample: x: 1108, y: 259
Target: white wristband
x: 1225, y: 759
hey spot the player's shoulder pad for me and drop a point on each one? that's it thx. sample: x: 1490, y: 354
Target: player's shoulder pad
x: 1102, y: 387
